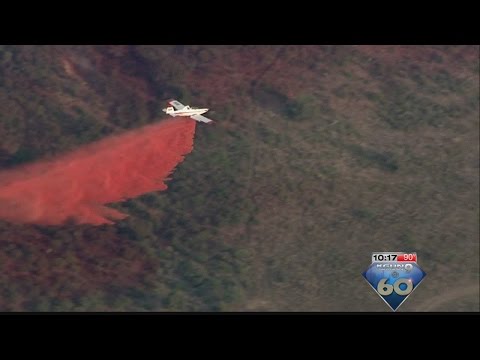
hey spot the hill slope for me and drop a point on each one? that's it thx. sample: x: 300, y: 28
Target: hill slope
x: 320, y: 155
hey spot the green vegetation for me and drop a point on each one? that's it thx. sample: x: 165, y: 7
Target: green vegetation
x: 384, y: 161
x: 320, y: 155
x: 293, y: 109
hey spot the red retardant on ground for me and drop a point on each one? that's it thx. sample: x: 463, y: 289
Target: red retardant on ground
x: 76, y: 186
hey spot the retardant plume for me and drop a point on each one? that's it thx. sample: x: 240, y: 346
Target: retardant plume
x: 76, y: 186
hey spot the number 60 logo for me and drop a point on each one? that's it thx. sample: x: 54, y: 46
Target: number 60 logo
x: 385, y: 289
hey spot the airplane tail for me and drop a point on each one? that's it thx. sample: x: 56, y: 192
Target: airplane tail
x: 168, y: 110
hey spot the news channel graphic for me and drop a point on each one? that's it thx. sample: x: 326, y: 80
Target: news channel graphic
x: 394, y: 276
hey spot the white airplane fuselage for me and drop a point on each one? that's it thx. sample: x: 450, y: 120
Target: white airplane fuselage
x: 186, y: 111
x: 176, y: 108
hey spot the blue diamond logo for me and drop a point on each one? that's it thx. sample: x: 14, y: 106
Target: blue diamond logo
x: 394, y: 281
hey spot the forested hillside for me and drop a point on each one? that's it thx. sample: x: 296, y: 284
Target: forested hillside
x: 319, y: 156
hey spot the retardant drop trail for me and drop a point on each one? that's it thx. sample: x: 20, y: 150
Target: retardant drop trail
x: 76, y: 186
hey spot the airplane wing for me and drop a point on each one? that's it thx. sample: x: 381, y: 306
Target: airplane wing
x: 176, y: 104
x: 201, y: 118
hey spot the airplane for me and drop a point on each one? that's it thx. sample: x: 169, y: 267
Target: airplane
x: 182, y: 110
